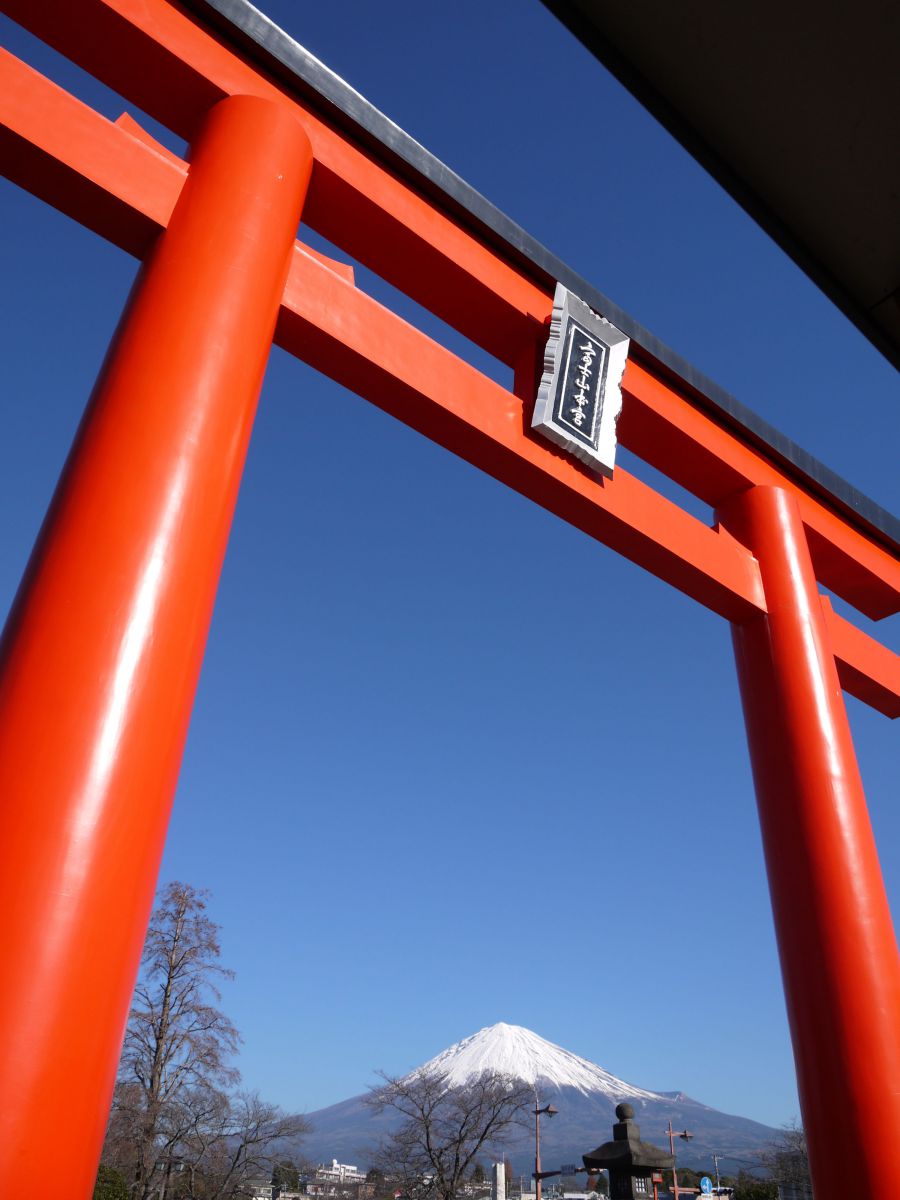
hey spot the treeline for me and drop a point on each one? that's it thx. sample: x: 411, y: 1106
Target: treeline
x: 782, y: 1169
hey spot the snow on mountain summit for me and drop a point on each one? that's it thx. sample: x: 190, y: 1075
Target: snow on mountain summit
x: 515, y: 1051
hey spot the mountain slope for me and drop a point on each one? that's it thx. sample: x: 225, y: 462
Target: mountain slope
x: 521, y: 1053
x: 584, y: 1093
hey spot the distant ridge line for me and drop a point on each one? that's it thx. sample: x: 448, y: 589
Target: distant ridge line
x: 585, y: 1094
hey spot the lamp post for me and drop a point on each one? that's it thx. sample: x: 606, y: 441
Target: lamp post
x: 685, y: 1137
x: 550, y: 1111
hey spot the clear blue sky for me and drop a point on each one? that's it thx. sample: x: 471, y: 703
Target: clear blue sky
x: 373, y: 788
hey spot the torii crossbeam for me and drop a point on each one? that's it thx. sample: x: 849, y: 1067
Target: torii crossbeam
x: 109, y: 626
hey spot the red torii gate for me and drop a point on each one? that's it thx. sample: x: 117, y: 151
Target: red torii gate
x: 108, y: 630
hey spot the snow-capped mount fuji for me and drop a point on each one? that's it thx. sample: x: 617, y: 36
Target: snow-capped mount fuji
x: 513, y: 1050
x: 584, y: 1093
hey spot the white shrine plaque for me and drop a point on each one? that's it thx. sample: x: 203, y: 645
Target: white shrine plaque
x: 580, y: 395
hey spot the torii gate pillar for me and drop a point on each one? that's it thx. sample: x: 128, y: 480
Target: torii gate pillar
x: 836, y: 939
x: 101, y: 655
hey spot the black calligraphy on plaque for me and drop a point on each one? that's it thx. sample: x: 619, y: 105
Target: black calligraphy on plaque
x: 579, y: 399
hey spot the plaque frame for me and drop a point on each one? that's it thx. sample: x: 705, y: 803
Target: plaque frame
x: 556, y: 414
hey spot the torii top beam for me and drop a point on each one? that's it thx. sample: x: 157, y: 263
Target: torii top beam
x: 385, y: 201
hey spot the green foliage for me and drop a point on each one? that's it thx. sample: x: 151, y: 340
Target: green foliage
x: 110, y: 1184
x: 478, y: 1173
x: 687, y: 1177
x: 286, y: 1175
x: 751, y: 1187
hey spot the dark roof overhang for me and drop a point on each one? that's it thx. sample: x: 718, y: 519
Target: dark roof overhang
x: 795, y: 110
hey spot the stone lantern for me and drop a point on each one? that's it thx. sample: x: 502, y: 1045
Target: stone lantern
x: 630, y: 1161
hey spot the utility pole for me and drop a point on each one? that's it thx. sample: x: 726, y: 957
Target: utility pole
x: 715, y: 1159
x: 672, y: 1135
x: 550, y: 1111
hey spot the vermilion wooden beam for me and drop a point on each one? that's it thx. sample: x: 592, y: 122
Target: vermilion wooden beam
x: 672, y: 433
x: 833, y: 923
x: 100, y: 656
x: 115, y: 178
x: 386, y: 224
x: 427, y: 387
x: 867, y: 669
x: 353, y: 201
x: 91, y: 169
x: 349, y: 336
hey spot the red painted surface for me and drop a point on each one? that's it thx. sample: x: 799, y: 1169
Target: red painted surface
x: 98, y: 668
x: 109, y: 175
x: 353, y: 201
x: 353, y: 339
x: 100, y: 658
x: 114, y: 177
x: 663, y: 426
x: 836, y: 941
x: 867, y: 669
x: 98, y: 176
x: 378, y: 218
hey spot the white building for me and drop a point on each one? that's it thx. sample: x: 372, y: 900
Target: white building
x: 498, y: 1181
x: 334, y: 1180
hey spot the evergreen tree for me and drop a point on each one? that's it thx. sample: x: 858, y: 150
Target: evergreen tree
x: 286, y: 1175
x: 752, y: 1187
x: 110, y: 1184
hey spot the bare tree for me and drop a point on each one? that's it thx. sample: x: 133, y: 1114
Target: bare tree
x: 177, y: 1131
x: 445, y: 1127
x: 178, y: 1043
x: 231, y: 1142
x: 787, y: 1159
